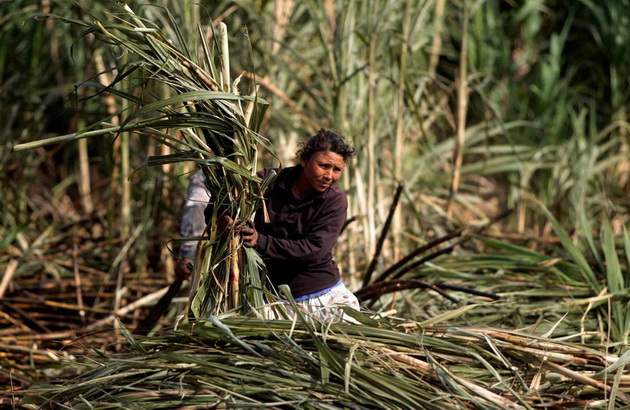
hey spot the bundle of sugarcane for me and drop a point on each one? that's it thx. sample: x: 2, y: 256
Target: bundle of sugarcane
x: 238, y: 361
x: 205, y: 120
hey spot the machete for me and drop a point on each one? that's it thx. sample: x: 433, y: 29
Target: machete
x: 156, y: 312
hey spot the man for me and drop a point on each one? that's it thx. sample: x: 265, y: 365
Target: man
x: 307, y: 211
x: 193, y: 223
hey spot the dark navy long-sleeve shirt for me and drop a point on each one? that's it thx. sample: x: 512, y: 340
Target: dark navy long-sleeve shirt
x: 297, y: 243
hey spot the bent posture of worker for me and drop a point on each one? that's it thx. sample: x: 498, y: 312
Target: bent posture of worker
x: 306, y: 212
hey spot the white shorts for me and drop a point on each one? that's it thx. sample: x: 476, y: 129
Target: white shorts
x: 325, y: 307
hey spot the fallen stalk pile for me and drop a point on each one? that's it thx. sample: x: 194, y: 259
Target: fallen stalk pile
x: 245, y: 362
x: 40, y: 322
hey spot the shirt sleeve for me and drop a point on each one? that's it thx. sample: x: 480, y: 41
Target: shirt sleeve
x: 193, y: 222
x: 318, y: 240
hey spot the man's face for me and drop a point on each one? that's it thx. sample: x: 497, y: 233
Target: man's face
x: 323, y: 169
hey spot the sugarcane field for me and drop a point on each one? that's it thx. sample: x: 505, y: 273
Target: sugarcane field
x: 319, y: 204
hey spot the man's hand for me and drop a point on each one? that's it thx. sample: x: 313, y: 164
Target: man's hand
x: 225, y: 224
x: 250, y: 235
x: 182, y: 269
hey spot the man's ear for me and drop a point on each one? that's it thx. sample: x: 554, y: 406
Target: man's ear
x: 303, y: 162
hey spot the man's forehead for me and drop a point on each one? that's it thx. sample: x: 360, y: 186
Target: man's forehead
x: 328, y: 156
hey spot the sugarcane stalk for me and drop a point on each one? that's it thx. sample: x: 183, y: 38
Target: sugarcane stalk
x: 77, y: 282
x: 399, y: 138
x: 7, y: 276
x: 235, y: 274
x: 450, y: 248
x: 429, y: 370
x: 201, y: 76
x: 436, y: 44
x: 125, y: 214
x: 416, y: 252
x: 462, y: 107
x: 381, y: 240
x: 378, y: 289
x: 402, y: 266
x: 282, y: 13
x: 84, y: 178
x: 159, y: 309
x: 225, y: 55
x: 371, y: 146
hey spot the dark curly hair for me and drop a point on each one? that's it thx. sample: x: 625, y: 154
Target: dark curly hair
x: 326, y: 140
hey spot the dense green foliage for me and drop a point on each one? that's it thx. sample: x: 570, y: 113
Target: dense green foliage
x: 533, y: 95
x: 545, y: 120
x: 243, y: 362
x: 476, y: 106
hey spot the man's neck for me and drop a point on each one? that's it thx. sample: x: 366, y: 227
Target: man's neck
x: 301, y: 187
